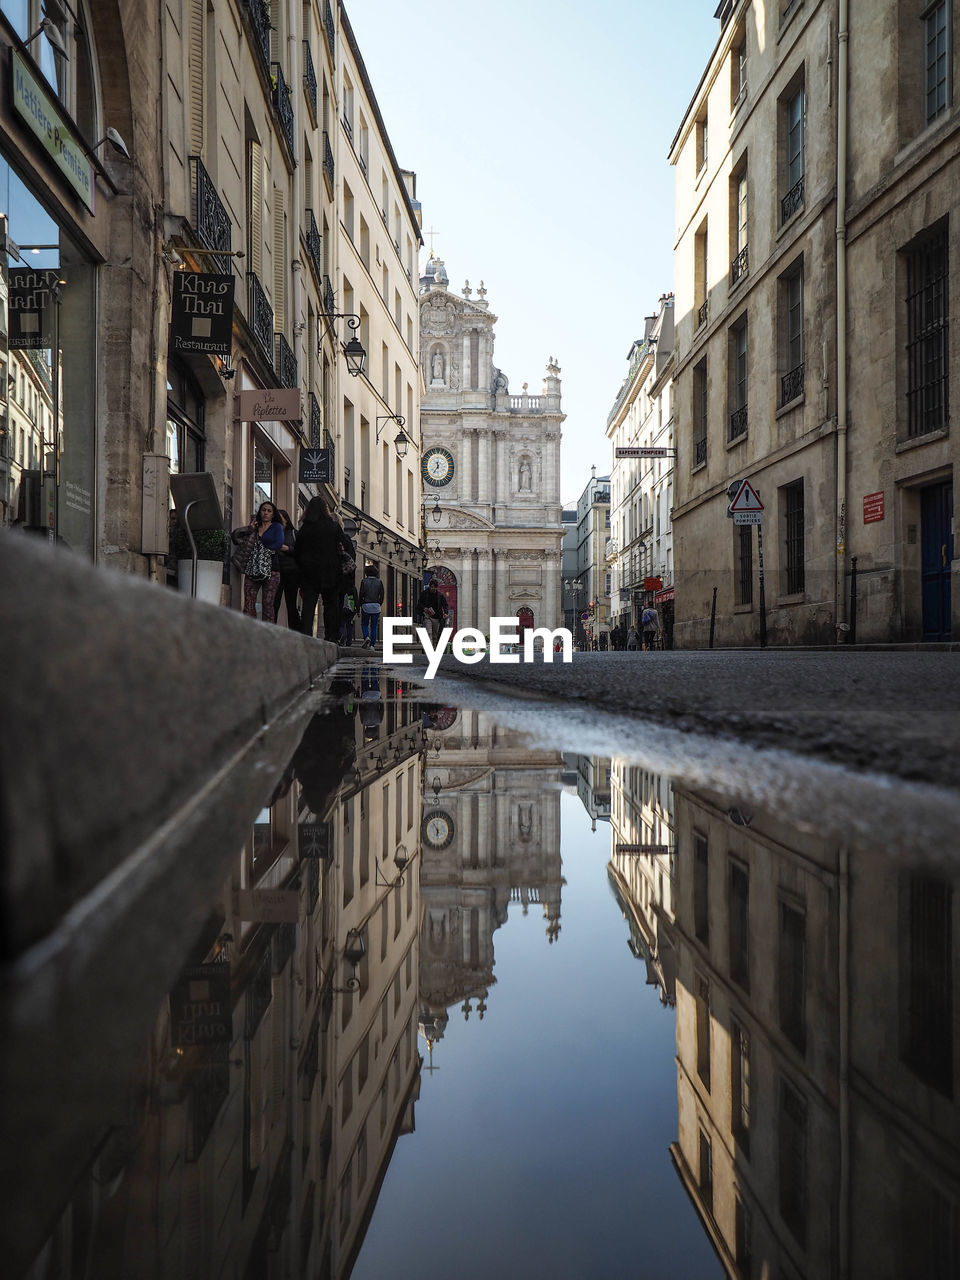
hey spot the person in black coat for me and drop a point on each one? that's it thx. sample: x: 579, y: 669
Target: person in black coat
x: 289, y: 573
x: 322, y: 552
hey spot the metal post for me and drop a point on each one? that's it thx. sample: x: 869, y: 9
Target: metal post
x: 193, y: 547
x: 713, y: 617
x: 852, y: 633
x: 763, y: 597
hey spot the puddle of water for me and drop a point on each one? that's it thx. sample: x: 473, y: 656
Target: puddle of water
x: 468, y: 1004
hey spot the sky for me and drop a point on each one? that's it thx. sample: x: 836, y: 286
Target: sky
x: 539, y: 133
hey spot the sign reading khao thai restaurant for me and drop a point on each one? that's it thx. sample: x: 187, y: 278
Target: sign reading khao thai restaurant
x: 45, y: 118
x: 201, y: 1011
x: 31, y: 304
x: 872, y: 507
x: 271, y: 404
x: 202, y: 316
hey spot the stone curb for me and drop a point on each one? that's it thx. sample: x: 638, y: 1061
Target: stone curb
x: 122, y: 699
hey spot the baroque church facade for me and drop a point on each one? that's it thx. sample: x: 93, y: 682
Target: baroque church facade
x: 491, y: 468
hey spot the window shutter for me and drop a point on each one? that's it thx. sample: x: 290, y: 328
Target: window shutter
x: 279, y: 261
x: 195, y: 60
x: 255, y: 211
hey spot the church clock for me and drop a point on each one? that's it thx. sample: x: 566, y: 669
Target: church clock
x: 438, y: 829
x: 437, y: 467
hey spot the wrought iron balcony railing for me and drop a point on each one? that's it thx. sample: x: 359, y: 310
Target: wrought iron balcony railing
x: 791, y: 202
x: 284, y: 109
x: 310, y: 80
x: 699, y: 451
x: 329, y: 27
x: 285, y: 363
x: 328, y: 445
x: 791, y: 385
x: 316, y: 422
x: 327, y: 299
x: 210, y: 218
x: 259, y: 12
x: 260, y: 315
x: 738, y: 267
x: 314, y: 247
x: 328, y: 169
x: 702, y: 314
x: 738, y: 423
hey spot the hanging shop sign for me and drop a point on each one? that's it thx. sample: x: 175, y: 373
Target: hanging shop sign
x: 45, y: 118
x: 267, y: 906
x: 200, y: 1007
x: 269, y: 404
x: 652, y: 584
x: 664, y: 596
x: 315, y: 840
x: 314, y: 466
x: 31, y: 304
x: 202, y: 316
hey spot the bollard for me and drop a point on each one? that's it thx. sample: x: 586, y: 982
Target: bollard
x: 852, y: 633
x: 713, y: 617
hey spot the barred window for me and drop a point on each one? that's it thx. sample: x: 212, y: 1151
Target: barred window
x: 744, y: 548
x: 793, y: 537
x: 927, y: 333
x: 700, y: 413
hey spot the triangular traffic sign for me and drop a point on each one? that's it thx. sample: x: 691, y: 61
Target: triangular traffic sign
x: 747, y: 499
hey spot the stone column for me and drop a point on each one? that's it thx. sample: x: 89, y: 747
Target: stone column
x: 483, y: 467
x: 464, y: 571
x: 484, y: 599
x: 466, y: 465
x: 503, y: 488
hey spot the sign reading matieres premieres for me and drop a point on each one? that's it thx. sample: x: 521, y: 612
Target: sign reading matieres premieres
x: 45, y: 118
x: 202, y: 316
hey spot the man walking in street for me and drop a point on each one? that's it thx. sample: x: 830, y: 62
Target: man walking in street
x: 432, y: 611
x: 650, y: 627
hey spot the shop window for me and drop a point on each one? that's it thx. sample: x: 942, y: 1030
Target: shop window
x: 185, y: 422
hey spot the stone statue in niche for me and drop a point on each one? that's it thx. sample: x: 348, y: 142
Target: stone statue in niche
x: 525, y: 822
x: 436, y: 369
x: 525, y: 476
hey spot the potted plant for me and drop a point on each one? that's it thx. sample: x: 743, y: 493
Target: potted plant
x: 212, y: 548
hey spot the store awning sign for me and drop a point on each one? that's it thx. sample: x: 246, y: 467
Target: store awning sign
x: 45, y: 118
x: 202, y: 316
x: 31, y: 304
x: 269, y: 404
x: 314, y: 466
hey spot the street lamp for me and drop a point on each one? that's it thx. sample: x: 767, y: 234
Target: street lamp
x: 401, y: 441
x: 436, y: 512
x: 353, y: 351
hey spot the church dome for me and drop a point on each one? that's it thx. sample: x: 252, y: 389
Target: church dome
x: 434, y: 274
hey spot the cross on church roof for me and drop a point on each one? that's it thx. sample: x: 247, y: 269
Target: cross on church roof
x: 431, y: 233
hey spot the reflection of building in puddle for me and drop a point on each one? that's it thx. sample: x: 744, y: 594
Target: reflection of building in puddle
x: 490, y: 836
x: 284, y: 1066
x: 818, y: 1131
x: 642, y: 867
x: 591, y: 777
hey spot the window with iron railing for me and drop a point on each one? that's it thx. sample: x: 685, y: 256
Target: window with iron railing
x: 927, y: 333
x: 260, y: 25
x: 936, y: 44
x: 792, y: 496
x: 738, y: 361
x: 795, y: 128
x: 791, y: 304
x: 700, y: 413
x: 310, y: 81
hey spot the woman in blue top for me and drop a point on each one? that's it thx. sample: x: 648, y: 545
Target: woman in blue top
x: 268, y: 527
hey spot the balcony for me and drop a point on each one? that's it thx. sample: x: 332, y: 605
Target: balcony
x: 260, y: 316
x: 702, y: 314
x: 699, y: 452
x: 329, y: 173
x: 310, y: 82
x: 328, y: 445
x: 329, y: 305
x: 259, y: 17
x: 314, y: 247
x: 738, y: 423
x: 329, y: 28
x: 791, y: 202
x: 738, y: 267
x: 791, y: 385
x: 285, y: 363
x: 316, y: 422
x: 284, y: 109
x: 209, y: 215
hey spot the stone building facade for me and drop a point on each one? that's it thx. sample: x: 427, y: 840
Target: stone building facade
x: 813, y: 351
x: 490, y: 465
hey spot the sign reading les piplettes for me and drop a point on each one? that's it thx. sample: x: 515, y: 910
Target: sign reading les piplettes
x: 271, y: 404
x: 202, y: 317
x: 31, y: 308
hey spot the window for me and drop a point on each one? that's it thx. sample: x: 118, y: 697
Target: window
x: 926, y: 997
x: 700, y: 278
x: 738, y: 913
x: 793, y: 124
x: 743, y: 1224
x: 700, y: 413
x: 738, y: 223
x: 705, y: 1180
x: 701, y: 143
x: 743, y: 547
x: 791, y: 334
x: 185, y: 422
x: 703, y: 1030
x: 793, y: 1161
x: 738, y: 380
x: 738, y: 67
x: 792, y: 977
x: 740, y: 1086
x: 936, y: 60
x: 791, y: 498
x: 927, y: 333
x: 701, y: 915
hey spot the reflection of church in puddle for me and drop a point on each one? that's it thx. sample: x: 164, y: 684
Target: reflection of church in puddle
x: 490, y: 837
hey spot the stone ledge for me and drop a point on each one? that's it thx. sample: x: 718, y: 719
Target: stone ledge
x: 122, y: 700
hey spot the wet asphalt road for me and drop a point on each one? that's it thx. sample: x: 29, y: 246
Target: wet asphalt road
x: 897, y: 712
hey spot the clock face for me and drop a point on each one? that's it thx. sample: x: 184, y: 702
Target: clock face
x: 437, y: 466
x: 438, y: 829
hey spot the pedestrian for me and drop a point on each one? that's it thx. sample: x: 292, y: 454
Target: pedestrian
x: 289, y: 574
x: 261, y: 571
x: 322, y: 551
x: 633, y: 639
x: 348, y: 611
x: 650, y: 627
x: 370, y: 596
x: 432, y: 611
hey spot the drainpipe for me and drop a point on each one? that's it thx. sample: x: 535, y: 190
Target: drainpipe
x: 293, y: 43
x: 843, y: 1118
x: 840, y: 608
